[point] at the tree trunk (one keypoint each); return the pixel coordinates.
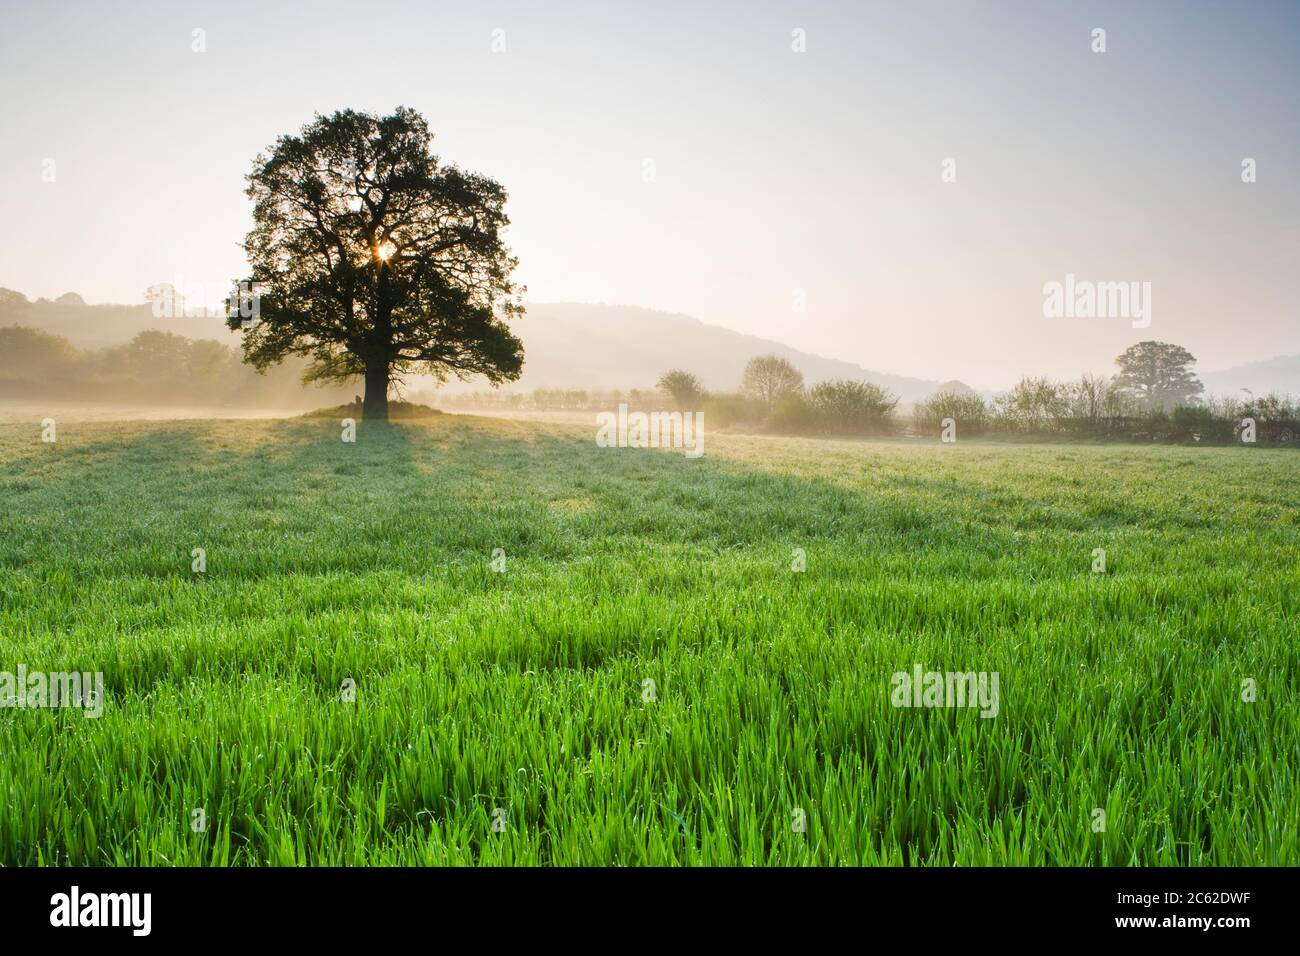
(374, 406)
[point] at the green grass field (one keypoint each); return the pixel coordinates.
(523, 691)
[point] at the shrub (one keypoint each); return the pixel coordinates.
(1188, 415)
(846, 407)
(34, 355)
(1034, 404)
(726, 411)
(968, 410)
(770, 378)
(792, 415)
(685, 388)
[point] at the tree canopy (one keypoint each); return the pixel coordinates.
(769, 378)
(683, 386)
(373, 258)
(1158, 375)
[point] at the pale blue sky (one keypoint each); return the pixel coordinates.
(776, 171)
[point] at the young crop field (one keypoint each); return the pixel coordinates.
(469, 640)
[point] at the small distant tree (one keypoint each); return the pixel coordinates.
(769, 378)
(153, 354)
(954, 387)
(684, 387)
(207, 362)
(967, 409)
(11, 301)
(1033, 404)
(847, 407)
(34, 355)
(1158, 376)
(1087, 398)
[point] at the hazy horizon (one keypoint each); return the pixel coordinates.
(648, 369)
(777, 173)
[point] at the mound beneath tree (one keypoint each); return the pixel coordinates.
(397, 411)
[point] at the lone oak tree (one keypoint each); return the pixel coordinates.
(373, 259)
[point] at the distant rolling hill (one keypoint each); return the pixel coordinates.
(577, 345)
(1280, 374)
(566, 345)
(95, 326)
(618, 346)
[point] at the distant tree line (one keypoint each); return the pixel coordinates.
(1094, 407)
(1154, 396)
(153, 366)
(772, 397)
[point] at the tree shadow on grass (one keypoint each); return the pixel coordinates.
(291, 496)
